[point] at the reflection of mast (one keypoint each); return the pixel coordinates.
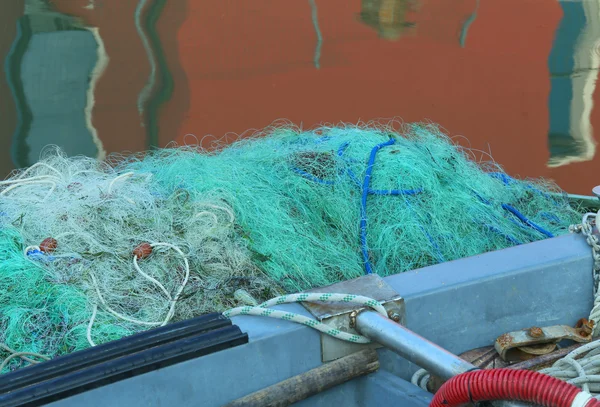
(573, 64)
(388, 17)
(465, 28)
(315, 20)
(159, 85)
(53, 67)
(145, 93)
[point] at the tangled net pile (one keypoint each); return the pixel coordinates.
(280, 212)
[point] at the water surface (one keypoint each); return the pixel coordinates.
(514, 78)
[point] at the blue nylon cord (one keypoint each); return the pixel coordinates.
(482, 199)
(502, 177)
(366, 191)
(501, 233)
(39, 255)
(526, 221)
(342, 148)
(395, 191)
(551, 217)
(363, 204)
(312, 177)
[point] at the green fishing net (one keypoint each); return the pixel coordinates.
(283, 211)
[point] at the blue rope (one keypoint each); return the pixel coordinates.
(395, 191)
(482, 199)
(363, 204)
(506, 179)
(39, 255)
(526, 221)
(312, 177)
(342, 148)
(366, 191)
(501, 233)
(551, 217)
(502, 177)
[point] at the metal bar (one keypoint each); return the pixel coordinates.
(415, 348)
(410, 346)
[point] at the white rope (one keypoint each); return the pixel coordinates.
(21, 355)
(36, 179)
(46, 181)
(24, 357)
(263, 311)
(581, 367)
(173, 300)
(150, 278)
(420, 378)
(31, 249)
(183, 284)
(40, 164)
(31, 179)
(203, 213)
(587, 229)
(115, 313)
(224, 209)
(120, 177)
(89, 328)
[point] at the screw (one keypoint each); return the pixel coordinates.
(353, 315)
(585, 327)
(394, 316)
(535, 332)
(586, 330)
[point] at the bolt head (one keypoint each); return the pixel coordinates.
(394, 316)
(536, 332)
(353, 315)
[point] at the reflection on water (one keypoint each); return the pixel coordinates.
(52, 71)
(388, 17)
(103, 76)
(573, 65)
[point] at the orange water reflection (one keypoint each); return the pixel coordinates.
(503, 74)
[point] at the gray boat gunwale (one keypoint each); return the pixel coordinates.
(460, 305)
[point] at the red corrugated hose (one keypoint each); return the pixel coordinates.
(511, 385)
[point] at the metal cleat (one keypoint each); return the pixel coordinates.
(535, 341)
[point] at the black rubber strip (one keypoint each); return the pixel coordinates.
(102, 353)
(124, 367)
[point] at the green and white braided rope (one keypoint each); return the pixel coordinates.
(263, 311)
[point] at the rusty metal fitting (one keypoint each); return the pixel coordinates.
(353, 315)
(394, 316)
(535, 332)
(585, 326)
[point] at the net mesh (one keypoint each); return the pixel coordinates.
(283, 211)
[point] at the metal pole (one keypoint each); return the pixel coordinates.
(415, 348)
(410, 346)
